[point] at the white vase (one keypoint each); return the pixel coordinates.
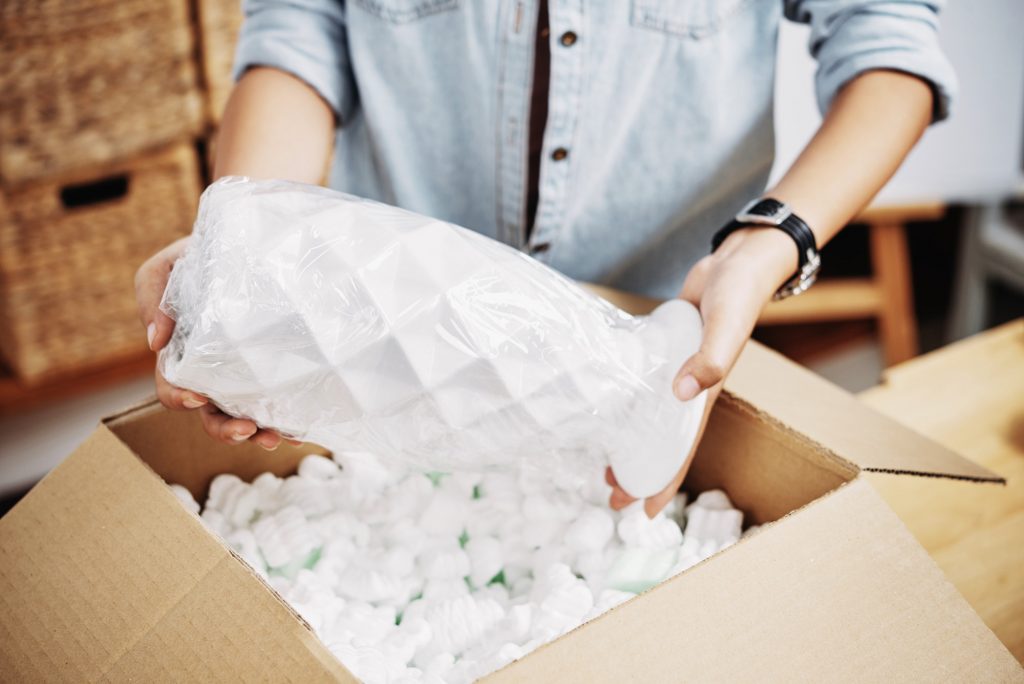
(361, 326)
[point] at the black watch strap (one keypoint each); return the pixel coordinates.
(793, 226)
(771, 213)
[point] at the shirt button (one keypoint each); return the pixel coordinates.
(560, 154)
(568, 39)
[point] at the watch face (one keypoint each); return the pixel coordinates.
(767, 212)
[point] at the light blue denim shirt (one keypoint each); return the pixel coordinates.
(664, 107)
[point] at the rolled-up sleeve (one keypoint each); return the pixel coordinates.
(849, 37)
(306, 38)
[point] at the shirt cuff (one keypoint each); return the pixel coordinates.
(866, 42)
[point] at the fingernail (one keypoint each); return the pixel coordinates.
(192, 402)
(241, 436)
(150, 334)
(268, 448)
(687, 388)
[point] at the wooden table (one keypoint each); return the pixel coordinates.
(970, 397)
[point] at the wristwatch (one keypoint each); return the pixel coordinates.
(773, 213)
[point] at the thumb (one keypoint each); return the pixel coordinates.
(703, 370)
(726, 330)
(159, 330)
(150, 282)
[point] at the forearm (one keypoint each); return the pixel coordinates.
(872, 124)
(275, 126)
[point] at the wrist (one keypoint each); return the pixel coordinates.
(769, 254)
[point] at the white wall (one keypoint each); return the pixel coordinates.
(974, 156)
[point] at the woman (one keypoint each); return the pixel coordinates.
(610, 140)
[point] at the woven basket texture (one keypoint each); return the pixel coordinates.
(68, 256)
(88, 82)
(219, 23)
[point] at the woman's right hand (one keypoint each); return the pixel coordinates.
(150, 282)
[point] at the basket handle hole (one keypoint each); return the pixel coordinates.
(96, 192)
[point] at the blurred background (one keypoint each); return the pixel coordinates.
(109, 112)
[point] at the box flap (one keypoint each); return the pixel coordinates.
(837, 591)
(838, 421)
(159, 437)
(104, 575)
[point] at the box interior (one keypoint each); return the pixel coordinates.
(767, 469)
(154, 595)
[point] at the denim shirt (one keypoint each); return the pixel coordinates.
(659, 113)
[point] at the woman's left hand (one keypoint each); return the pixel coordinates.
(730, 288)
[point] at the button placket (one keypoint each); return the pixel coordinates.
(515, 67)
(563, 111)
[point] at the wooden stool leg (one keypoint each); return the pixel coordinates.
(890, 260)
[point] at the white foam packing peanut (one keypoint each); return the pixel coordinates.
(591, 530)
(410, 578)
(185, 497)
(285, 537)
(486, 559)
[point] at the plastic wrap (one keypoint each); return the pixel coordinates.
(361, 326)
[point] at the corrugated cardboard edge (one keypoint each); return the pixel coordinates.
(148, 404)
(838, 421)
(109, 528)
(843, 466)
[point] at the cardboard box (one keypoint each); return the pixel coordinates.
(104, 575)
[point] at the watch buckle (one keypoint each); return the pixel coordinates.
(781, 213)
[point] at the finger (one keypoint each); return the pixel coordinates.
(165, 392)
(618, 499)
(159, 330)
(212, 421)
(176, 398)
(654, 504)
(150, 283)
(268, 439)
(727, 327)
(224, 428)
(238, 430)
(704, 369)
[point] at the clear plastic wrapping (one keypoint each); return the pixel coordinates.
(361, 326)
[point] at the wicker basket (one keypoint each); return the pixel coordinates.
(219, 23)
(68, 256)
(88, 82)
